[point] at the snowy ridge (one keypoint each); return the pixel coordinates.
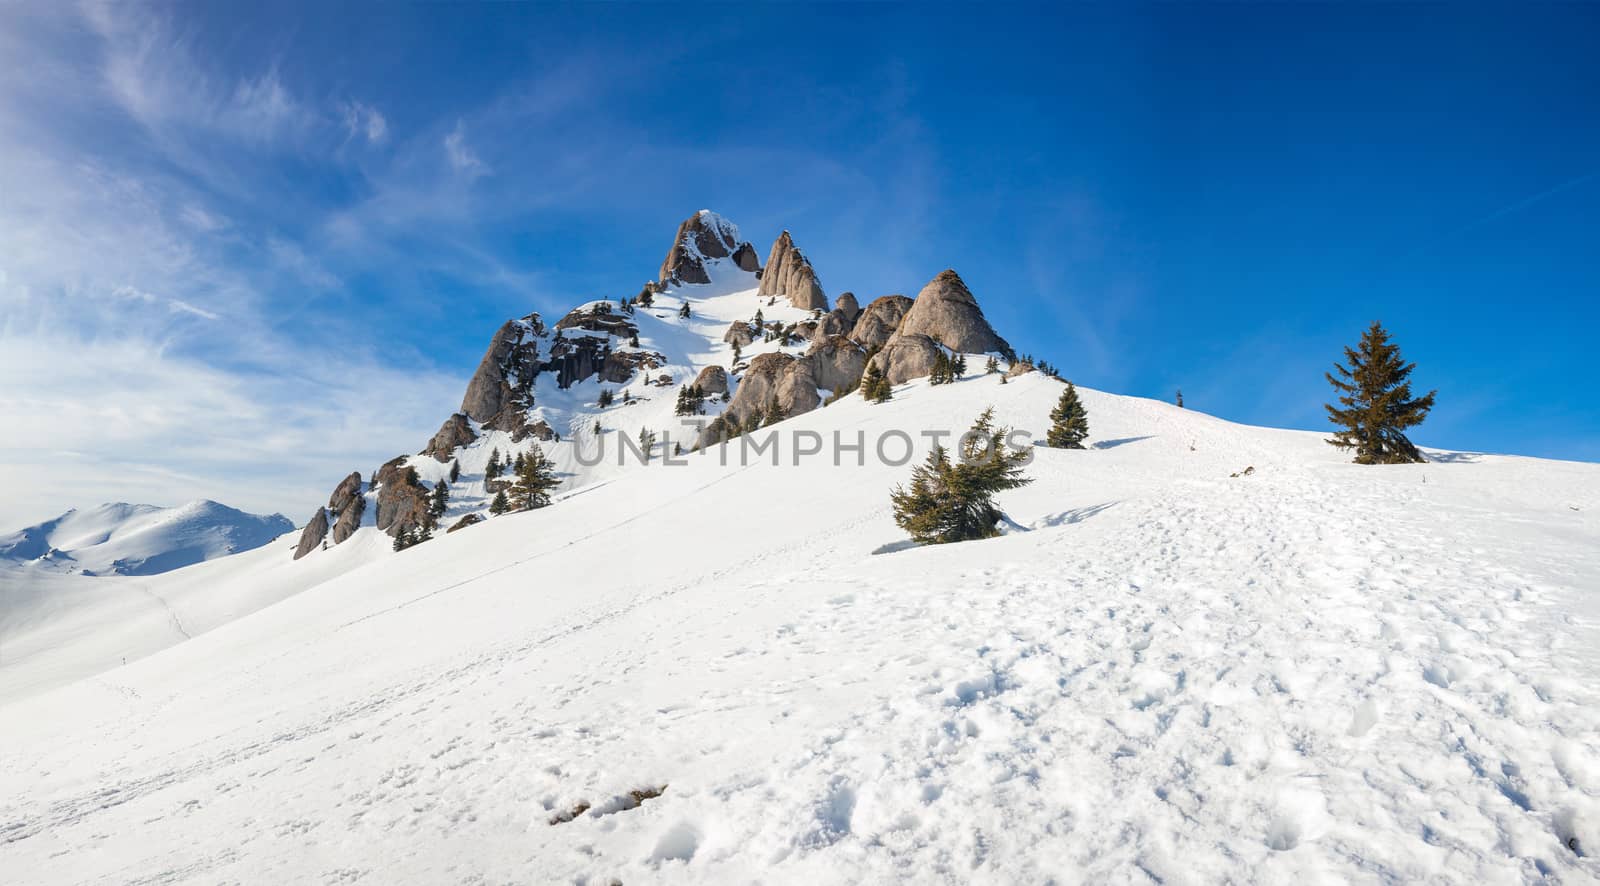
(131, 539)
(1314, 671)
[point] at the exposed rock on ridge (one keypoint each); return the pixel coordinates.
(788, 273)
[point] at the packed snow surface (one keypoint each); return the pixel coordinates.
(1313, 672)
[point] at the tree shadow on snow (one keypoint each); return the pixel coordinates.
(1452, 458)
(1113, 444)
(1067, 518)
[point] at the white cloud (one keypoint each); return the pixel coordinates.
(176, 305)
(462, 158)
(364, 121)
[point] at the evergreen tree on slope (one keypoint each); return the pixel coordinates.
(1375, 402)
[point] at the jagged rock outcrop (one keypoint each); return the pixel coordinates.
(402, 499)
(456, 431)
(836, 363)
(598, 317)
(758, 383)
(701, 238)
(946, 312)
(788, 273)
(833, 323)
(501, 390)
(349, 519)
(712, 380)
(906, 357)
(747, 260)
(878, 321)
(739, 334)
(311, 537)
(1020, 367)
(463, 523)
(348, 490)
(797, 388)
(621, 366)
(846, 303)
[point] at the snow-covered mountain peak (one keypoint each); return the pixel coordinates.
(120, 538)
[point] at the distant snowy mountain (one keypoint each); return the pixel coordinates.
(132, 539)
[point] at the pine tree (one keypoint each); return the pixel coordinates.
(958, 367)
(646, 296)
(647, 442)
(494, 468)
(950, 502)
(775, 412)
(455, 470)
(441, 499)
(597, 428)
(1180, 398)
(606, 398)
(1375, 394)
(516, 466)
(535, 478)
(940, 374)
(735, 361)
(874, 387)
(1069, 421)
(402, 538)
(684, 311)
(991, 367)
(500, 504)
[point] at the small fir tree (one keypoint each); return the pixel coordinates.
(958, 367)
(991, 367)
(775, 412)
(500, 505)
(647, 442)
(441, 499)
(1069, 421)
(494, 468)
(1179, 399)
(536, 477)
(1375, 402)
(684, 311)
(950, 502)
(875, 387)
(606, 398)
(455, 470)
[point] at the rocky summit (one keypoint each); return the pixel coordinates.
(713, 346)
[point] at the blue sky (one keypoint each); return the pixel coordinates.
(243, 251)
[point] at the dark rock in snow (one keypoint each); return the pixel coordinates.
(739, 334)
(906, 357)
(311, 537)
(349, 519)
(456, 432)
(349, 488)
(463, 523)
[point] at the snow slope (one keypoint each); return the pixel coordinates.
(1315, 672)
(128, 539)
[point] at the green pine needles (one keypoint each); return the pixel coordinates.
(954, 501)
(1375, 402)
(1069, 421)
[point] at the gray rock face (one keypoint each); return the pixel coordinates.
(846, 303)
(739, 333)
(946, 312)
(745, 257)
(311, 537)
(906, 357)
(455, 432)
(758, 384)
(836, 363)
(703, 237)
(879, 320)
(621, 366)
(348, 489)
(712, 380)
(788, 273)
(832, 323)
(402, 501)
(504, 380)
(349, 519)
(797, 389)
